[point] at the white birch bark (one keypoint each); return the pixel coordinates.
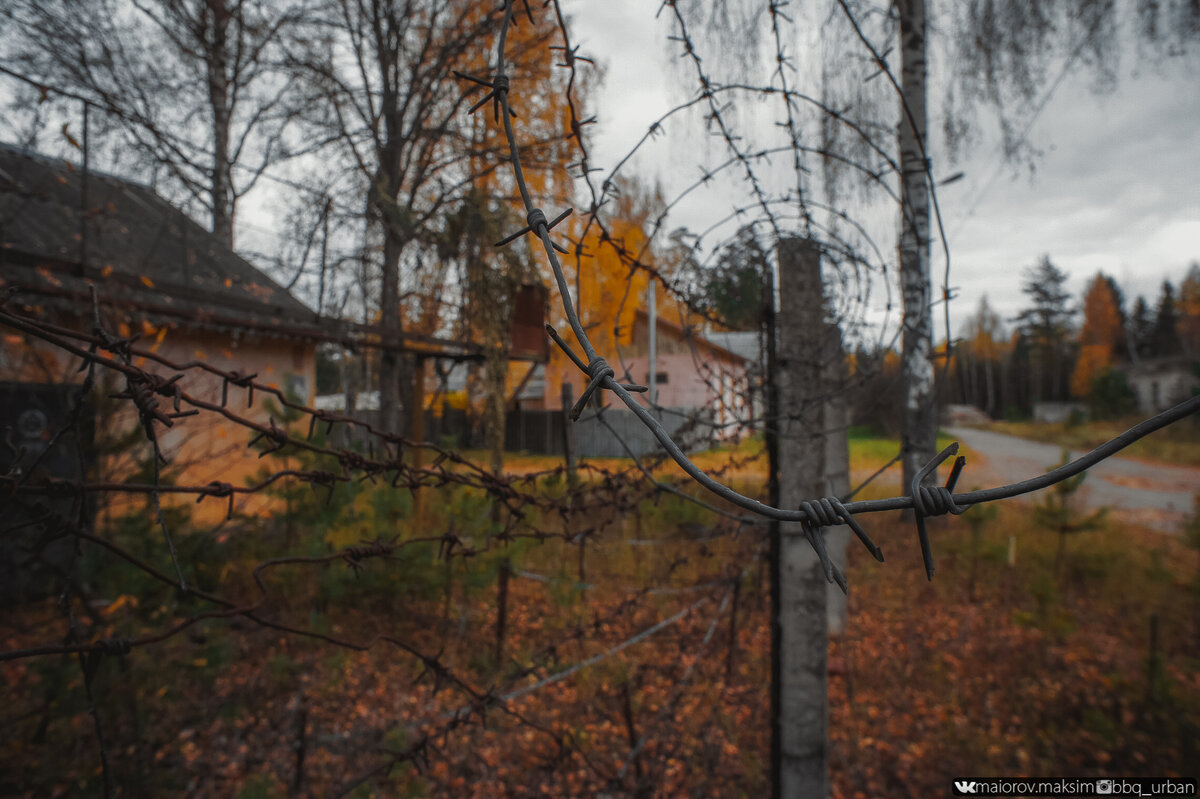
(918, 437)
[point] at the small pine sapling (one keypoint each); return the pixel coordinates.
(1057, 512)
(978, 517)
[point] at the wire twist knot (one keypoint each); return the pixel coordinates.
(370, 549)
(114, 646)
(141, 388)
(935, 500)
(822, 512)
(320, 415)
(327, 479)
(828, 512)
(240, 380)
(219, 489)
(535, 218)
(277, 439)
(597, 370)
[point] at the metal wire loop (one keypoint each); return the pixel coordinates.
(114, 646)
(829, 511)
(591, 369)
(597, 370)
(217, 489)
(821, 512)
(935, 500)
(534, 218)
(378, 548)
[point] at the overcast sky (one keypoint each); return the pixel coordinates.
(1117, 187)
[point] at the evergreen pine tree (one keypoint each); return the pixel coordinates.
(1141, 324)
(1046, 326)
(1164, 336)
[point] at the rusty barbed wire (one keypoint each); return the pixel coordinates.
(709, 89)
(739, 156)
(160, 402)
(149, 385)
(637, 261)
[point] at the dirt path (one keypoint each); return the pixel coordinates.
(1156, 495)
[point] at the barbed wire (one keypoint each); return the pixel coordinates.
(814, 515)
(160, 402)
(746, 157)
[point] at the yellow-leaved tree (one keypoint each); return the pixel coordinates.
(1189, 311)
(1101, 337)
(610, 282)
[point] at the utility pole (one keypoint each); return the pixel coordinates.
(807, 442)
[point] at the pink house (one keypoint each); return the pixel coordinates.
(692, 372)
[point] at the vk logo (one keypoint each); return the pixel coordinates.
(962, 786)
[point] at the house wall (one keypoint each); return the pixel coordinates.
(1158, 390)
(715, 384)
(698, 375)
(209, 447)
(671, 338)
(199, 449)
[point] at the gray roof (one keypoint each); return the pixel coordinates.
(744, 343)
(1172, 364)
(61, 230)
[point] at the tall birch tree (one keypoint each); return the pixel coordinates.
(918, 438)
(1004, 53)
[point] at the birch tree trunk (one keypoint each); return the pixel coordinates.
(918, 437)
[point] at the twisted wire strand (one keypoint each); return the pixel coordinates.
(925, 504)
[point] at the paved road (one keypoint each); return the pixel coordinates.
(1156, 495)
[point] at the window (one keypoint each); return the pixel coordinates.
(297, 387)
(659, 377)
